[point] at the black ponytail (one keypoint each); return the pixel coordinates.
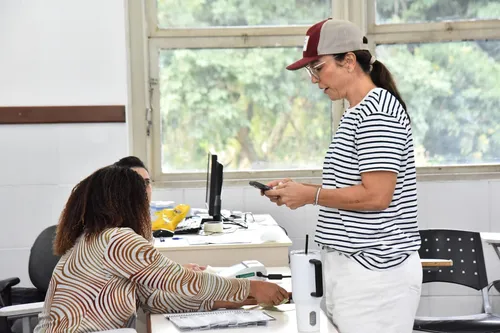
(379, 74)
(383, 78)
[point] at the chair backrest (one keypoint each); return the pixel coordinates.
(466, 251)
(42, 259)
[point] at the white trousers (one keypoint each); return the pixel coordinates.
(359, 300)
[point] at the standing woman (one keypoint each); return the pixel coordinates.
(367, 223)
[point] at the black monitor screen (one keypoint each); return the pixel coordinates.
(214, 187)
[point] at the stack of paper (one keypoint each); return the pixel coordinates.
(222, 239)
(219, 319)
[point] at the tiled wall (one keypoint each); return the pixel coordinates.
(36, 181)
(68, 52)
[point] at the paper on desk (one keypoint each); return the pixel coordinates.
(219, 319)
(223, 239)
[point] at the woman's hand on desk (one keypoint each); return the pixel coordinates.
(249, 301)
(232, 305)
(267, 292)
(194, 267)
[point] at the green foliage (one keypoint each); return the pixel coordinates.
(244, 105)
(209, 13)
(399, 11)
(452, 89)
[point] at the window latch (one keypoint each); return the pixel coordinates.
(149, 120)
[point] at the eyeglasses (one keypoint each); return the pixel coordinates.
(314, 70)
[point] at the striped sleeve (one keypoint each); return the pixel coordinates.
(380, 143)
(131, 256)
(158, 301)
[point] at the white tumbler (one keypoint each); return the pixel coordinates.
(307, 288)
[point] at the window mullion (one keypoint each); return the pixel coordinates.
(228, 42)
(151, 16)
(434, 36)
(154, 93)
(371, 16)
(138, 76)
(445, 26)
(231, 31)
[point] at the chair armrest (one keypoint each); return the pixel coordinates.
(7, 283)
(25, 295)
(21, 310)
(496, 284)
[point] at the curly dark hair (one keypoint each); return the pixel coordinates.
(131, 162)
(111, 197)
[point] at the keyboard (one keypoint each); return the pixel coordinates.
(190, 225)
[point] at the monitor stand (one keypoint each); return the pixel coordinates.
(217, 215)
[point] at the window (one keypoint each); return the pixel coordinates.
(242, 104)
(413, 11)
(216, 81)
(219, 85)
(232, 13)
(452, 91)
(447, 71)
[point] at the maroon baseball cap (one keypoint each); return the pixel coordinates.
(329, 37)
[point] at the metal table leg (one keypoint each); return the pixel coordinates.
(26, 324)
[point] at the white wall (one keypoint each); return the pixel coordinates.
(73, 52)
(56, 52)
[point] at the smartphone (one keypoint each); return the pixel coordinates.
(260, 186)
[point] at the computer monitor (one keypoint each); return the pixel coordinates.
(215, 171)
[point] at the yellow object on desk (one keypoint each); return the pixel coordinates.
(170, 218)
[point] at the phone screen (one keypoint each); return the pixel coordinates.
(260, 186)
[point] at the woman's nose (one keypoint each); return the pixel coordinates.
(314, 80)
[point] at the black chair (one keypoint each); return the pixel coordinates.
(40, 266)
(469, 269)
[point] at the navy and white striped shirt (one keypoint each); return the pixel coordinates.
(374, 135)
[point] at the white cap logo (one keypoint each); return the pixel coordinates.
(305, 43)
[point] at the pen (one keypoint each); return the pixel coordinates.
(176, 238)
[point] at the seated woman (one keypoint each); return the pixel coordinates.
(108, 265)
(135, 163)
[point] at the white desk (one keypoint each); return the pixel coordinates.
(231, 247)
(492, 238)
(285, 321)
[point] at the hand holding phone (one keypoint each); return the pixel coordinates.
(260, 186)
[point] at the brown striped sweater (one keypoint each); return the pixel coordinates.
(98, 284)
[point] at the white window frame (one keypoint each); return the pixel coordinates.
(147, 146)
(446, 31)
(145, 41)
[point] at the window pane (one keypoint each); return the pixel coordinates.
(196, 13)
(452, 92)
(243, 105)
(412, 11)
